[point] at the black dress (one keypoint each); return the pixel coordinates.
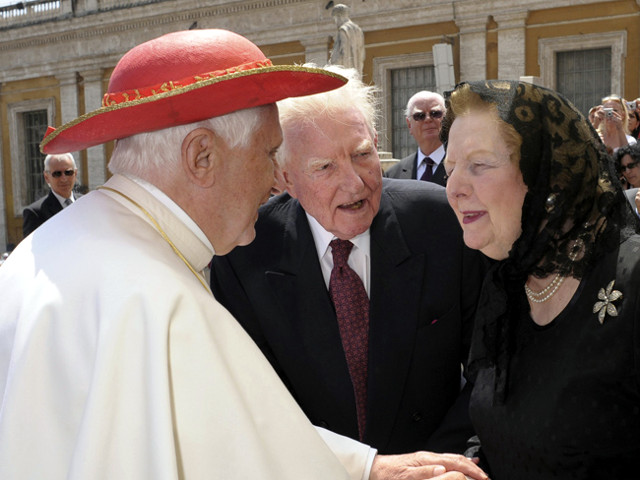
(572, 410)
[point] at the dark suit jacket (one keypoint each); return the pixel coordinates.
(423, 290)
(407, 168)
(38, 212)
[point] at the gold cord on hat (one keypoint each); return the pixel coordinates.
(115, 98)
(166, 238)
(133, 98)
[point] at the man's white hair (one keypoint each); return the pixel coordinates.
(48, 158)
(141, 154)
(301, 111)
(420, 95)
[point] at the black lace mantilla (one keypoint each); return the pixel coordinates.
(574, 211)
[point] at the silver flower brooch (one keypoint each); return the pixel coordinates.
(604, 305)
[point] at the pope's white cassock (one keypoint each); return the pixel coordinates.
(117, 363)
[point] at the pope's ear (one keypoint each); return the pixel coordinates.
(198, 153)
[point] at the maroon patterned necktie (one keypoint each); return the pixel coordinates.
(352, 309)
(428, 173)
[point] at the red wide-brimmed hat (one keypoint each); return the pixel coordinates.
(181, 78)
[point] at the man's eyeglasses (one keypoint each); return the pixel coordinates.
(433, 114)
(67, 173)
(628, 166)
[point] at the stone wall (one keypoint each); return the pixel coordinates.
(70, 47)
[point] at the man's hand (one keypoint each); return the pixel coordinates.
(637, 199)
(425, 465)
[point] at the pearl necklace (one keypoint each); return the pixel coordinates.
(550, 290)
(546, 293)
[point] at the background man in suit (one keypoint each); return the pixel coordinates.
(424, 114)
(395, 382)
(60, 173)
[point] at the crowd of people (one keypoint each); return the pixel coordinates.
(470, 314)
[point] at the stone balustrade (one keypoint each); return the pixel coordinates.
(35, 11)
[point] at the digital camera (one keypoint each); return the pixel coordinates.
(608, 112)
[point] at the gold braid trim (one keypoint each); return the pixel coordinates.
(162, 234)
(115, 98)
(178, 91)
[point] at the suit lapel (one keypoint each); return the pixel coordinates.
(413, 166)
(50, 206)
(298, 285)
(396, 282)
(439, 176)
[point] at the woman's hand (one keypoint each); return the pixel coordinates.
(611, 128)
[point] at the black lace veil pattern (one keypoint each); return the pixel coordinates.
(574, 210)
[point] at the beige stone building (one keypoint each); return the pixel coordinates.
(56, 57)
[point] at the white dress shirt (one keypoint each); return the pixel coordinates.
(359, 258)
(437, 156)
(61, 199)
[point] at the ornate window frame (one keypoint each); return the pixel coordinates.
(18, 166)
(382, 67)
(617, 41)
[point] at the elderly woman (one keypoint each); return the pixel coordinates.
(556, 351)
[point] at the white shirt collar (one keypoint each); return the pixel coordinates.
(174, 208)
(437, 155)
(62, 199)
(359, 258)
(322, 238)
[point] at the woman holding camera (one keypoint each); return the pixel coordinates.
(613, 126)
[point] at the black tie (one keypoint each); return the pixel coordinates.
(426, 176)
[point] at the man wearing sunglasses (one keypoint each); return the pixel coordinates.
(424, 114)
(60, 173)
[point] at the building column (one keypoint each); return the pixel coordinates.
(69, 104)
(96, 161)
(3, 209)
(473, 48)
(443, 66)
(316, 49)
(511, 44)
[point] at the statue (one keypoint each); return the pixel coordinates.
(348, 48)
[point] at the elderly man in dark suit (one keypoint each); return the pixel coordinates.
(60, 173)
(370, 342)
(424, 113)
